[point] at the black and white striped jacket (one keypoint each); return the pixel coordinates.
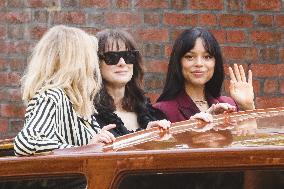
(52, 123)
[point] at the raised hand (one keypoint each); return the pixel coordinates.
(241, 89)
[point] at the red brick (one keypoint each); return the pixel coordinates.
(37, 32)
(15, 31)
(160, 66)
(95, 3)
(91, 30)
(152, 4)
(151, 50)
(239, 53)
(153, 97)
(95, 18)
(40, 16)
(282, 86)
(9, 79)
(233, 5)
(256, 87)
(261, 5)
(14, 47)
(17, 64)
(268, 70)
(151, 18)
(69, 18)
(15, 17)
(265, 20)
(220, 35)
(268, 54)
(123, 3)
(176, 19)
(2, 64)
(266, 37)
(168, 50)
(15, 3)
(178, 4)
(12, 110)
(279, 20)
(122, 19)
(207, 20)
(235, 36)
(229, 20)
(206, 4)
(16, 126)
(269, 102)
(2, 3)
(4, 123)
(175, 33)
(43, 3)
(2, 32)
(270, 86)
(156, 35)
(10, 95)
(70, 3)
(153, 83)
(281, 54)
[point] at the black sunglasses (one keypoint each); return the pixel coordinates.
(112, 57)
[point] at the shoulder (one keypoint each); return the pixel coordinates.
(50, 96)
(164, 105)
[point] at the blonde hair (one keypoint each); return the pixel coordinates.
(65, 57)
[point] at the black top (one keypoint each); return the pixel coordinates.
(143, 118)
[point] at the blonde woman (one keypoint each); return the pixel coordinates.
(59, 85)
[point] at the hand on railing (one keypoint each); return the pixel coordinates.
(104, 136)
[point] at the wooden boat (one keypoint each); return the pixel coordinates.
(246, 144)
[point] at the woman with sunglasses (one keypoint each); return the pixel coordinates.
(121, 100)
(195, 77)
(59, 86)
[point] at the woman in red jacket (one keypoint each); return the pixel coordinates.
(195, 77)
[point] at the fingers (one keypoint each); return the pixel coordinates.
(250, 77)
(164, 124)
(242, 73)
(203, 116)
(237, 72)
(108, 127)
(232, 75)
(104, 135)
(220, 108)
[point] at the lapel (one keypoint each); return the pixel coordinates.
(186, 106)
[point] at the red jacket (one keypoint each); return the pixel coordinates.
(182, 107)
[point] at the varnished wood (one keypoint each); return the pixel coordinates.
(105, 165)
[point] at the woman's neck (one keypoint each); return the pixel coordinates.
(117, 93)
(196, 93)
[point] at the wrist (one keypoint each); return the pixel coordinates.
(248, 106)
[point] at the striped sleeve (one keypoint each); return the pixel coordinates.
(38, 134)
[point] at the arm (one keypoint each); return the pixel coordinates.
(38, 134)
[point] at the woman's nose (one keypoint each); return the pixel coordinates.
(199, 61)
(121, 61)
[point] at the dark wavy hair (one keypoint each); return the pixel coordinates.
(134, 98)
(183, 44)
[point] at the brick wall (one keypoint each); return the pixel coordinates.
(249, 31)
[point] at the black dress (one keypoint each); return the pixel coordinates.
(105, 117)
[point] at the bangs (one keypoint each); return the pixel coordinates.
(115, 45)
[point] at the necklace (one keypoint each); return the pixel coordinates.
(200, 102)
